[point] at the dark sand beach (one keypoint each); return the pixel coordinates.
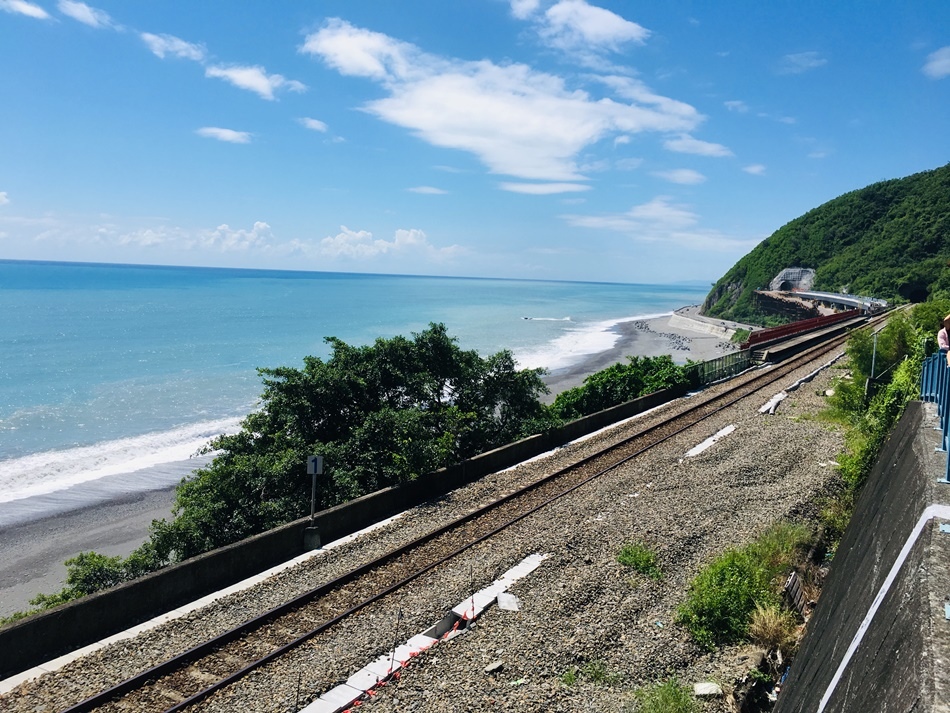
(32, 554)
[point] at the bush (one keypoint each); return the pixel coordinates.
(773, 628)
(618, 384)
(641, 559)
(723, 596)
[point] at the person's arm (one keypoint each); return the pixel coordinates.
(943, 341)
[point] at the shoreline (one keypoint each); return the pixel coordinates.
(32, 553)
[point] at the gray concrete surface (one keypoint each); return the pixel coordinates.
(879, 639)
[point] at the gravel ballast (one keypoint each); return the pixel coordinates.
(580, 610)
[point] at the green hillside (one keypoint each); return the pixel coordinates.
(890, 240)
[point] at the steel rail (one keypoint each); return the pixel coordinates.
(179, 661)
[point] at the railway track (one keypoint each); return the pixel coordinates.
(192, 676)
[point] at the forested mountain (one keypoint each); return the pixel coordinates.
(890, 240)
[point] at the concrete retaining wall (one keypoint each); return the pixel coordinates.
(41, 637)
(894, 652)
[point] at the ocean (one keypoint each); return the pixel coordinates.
(112, 377)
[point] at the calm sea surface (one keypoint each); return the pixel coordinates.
(112, 376)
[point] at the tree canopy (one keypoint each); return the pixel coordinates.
(888, 240)
(380, 414)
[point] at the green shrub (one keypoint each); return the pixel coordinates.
(640, 558)
(667, 697)
(724, 595)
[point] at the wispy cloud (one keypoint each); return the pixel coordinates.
(685, 176)
(81, 12)
(22, 7)
(544, 189)
(228, 135)
(4, 199)
(162, 45)
(255, 79)
(517, 121)
(687, 144)
(737, 106)
(313, 124)
(938, 64)
(661, 220)
(574, 24)
(801, 62)
(756, 169)
(427, 190)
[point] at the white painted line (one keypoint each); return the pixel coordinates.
(931, 512)
(8, 684)
(709, 442)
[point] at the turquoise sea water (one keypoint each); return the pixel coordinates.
(111, 376)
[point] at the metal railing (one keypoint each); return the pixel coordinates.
(706, 372)
(935, 388)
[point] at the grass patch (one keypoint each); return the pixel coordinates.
(667, 697)
(593, 671)
(773, 629)
(640, 558)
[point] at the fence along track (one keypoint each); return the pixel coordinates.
(184, 679)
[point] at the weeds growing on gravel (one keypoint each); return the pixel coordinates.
(722, 597)
(593, 671)
(773, 628)
(667, 697)
(640, 558)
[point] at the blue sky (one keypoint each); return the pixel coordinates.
(546, 139)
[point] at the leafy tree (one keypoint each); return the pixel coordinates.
(380, 414)
(617, 384)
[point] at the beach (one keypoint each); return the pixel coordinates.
(32, 554)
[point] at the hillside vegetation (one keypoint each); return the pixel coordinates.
(890, 240)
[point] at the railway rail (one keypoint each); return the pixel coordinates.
(192, 676)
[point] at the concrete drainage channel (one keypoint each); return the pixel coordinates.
(376, 673)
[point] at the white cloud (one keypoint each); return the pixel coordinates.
(573, 24)
(162, 45)
(226, 239)
(523, 9)
(687, 144)
(544, 189)
(255, 79)
(628, 164)
(229, 135)
(660, 221)
(938, 64)
(738, 106)
(685, 176)
(756, 169)
(313, 124)
(801, 62)
(81, 12)
(361, 245)
(517, 121)
(3, 198)
(22, 7)
(621, 140)
(427, 190)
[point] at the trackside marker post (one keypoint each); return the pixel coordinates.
(311, 535)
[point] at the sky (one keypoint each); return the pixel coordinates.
(542, 139)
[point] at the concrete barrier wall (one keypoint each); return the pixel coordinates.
(43, 636)
(888, 668)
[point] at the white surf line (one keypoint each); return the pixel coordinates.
(380, 669)
(929, 513)
(709, 442)
(773, 403)
(8, 684)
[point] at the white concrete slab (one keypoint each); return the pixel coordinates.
(336, 699)
(710, 442)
